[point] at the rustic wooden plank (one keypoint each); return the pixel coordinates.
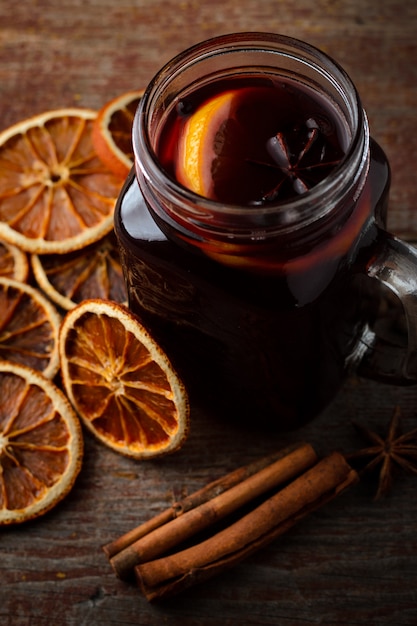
(350, 563)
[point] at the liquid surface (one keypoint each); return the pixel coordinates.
(266, 142)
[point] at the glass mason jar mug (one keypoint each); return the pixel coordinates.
(252, 230)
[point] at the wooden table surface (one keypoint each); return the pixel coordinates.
(353, 561)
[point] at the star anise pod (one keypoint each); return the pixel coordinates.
(389, 454)
(303, 156)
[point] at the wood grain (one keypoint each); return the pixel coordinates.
(352, 562)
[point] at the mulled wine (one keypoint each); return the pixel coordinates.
(274, 139)
(247, 225)
(269, 346)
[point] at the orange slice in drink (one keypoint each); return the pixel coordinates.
(56, 195)
(112, 133)
(94, 272)
(41, 444)
(13, 262)
(196, 148)
(29, 327)
(120, 382)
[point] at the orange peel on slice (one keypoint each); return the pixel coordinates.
(112, 132)
(29, 327)
(120, 382)
(41, 444)
(56, 195)
(196, 144)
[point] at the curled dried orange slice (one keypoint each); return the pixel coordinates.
(56, 195)
(29, 327)
(113, 131)
(94, 272)
(41, 444)
(13, 262)
(120, 382)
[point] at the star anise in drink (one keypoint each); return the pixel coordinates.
(303, 155)
(396, 451)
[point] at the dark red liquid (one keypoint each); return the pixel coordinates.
(278, 140)
(269, 334)
(262, 348)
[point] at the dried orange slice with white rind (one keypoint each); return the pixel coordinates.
(29, 327)
(56, 195)
(112, 132)
(13, 262)
(120, 382)
(41, 444)
(93, 272)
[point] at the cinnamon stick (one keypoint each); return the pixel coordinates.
(166, 576)
(193, 500)
(207, 506)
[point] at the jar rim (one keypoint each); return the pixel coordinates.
(302, 208)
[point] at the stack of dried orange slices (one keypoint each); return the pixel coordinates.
(69, 347)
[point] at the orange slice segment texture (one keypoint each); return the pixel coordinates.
(196, 149)
(41, 444)
(93, 272)
(56, 195)
(112, 132)
(13, 262)
(29, 327)
(120, 382)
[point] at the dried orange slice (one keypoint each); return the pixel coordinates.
(56, 195)
(13, 262)
(120, 382)
(41, 444)
(112, 132)
(29, 327)
(94, 272)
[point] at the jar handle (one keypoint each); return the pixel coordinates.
(394, 264)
